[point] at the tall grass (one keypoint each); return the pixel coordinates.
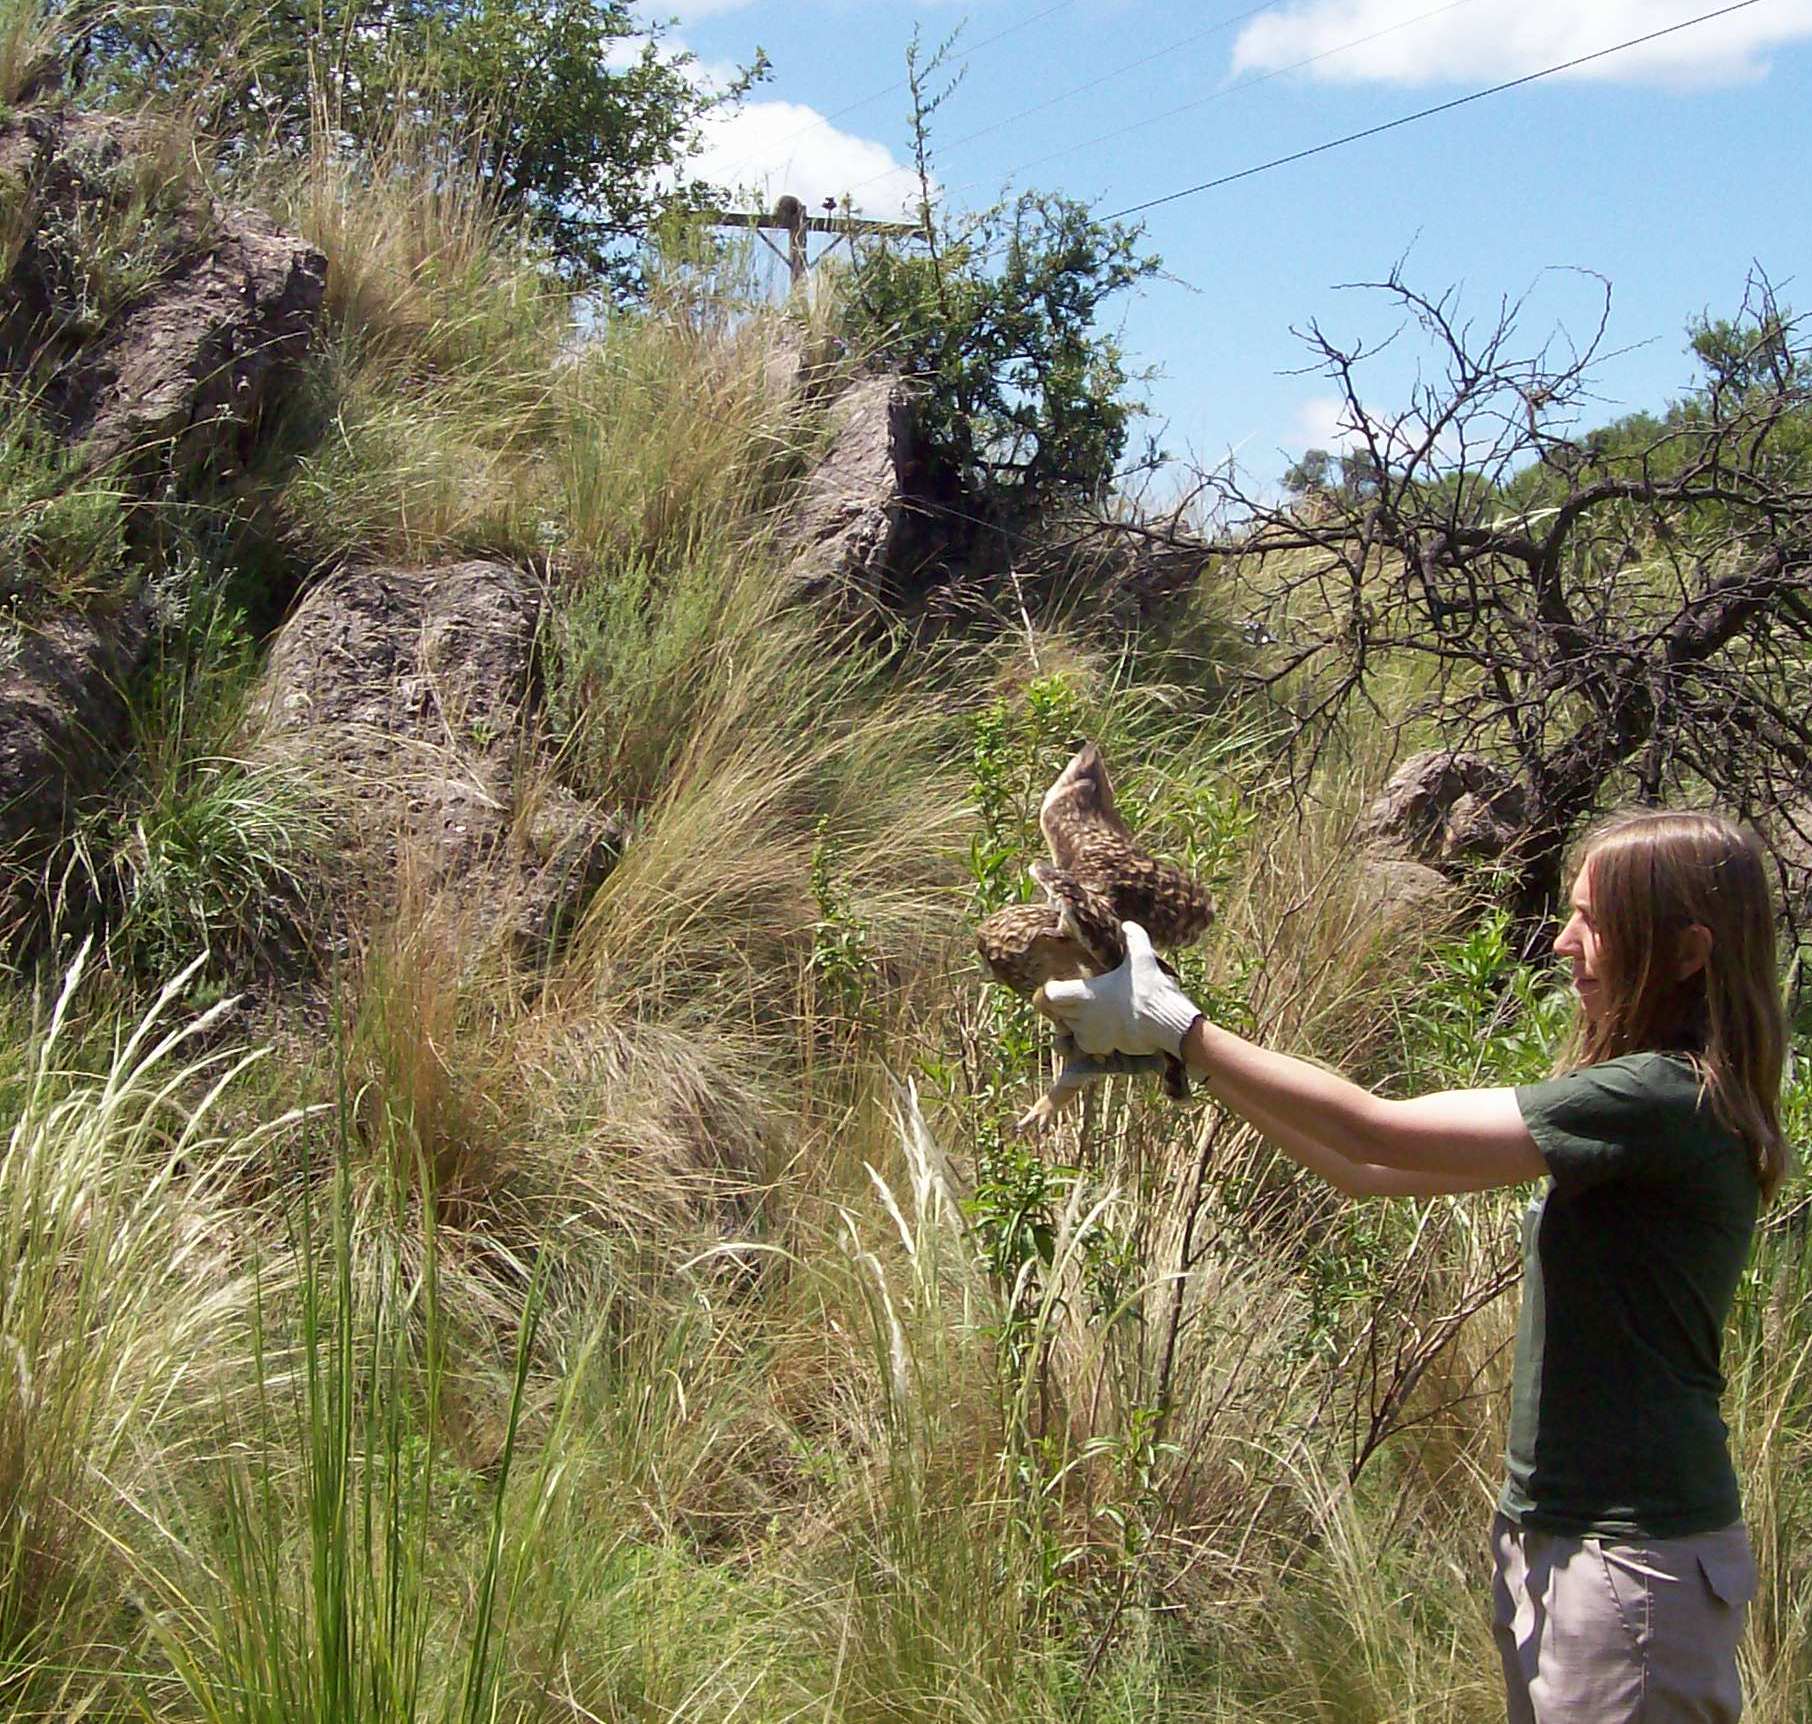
(197, 847)
(344, 1462)
(30, 40)
(668, 1326)
(430, 394)
(125, 1300)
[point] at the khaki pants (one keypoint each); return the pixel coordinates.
(1596, 1632)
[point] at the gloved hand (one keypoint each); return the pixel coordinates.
(1136, 1009)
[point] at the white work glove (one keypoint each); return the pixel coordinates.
(1136, 1009)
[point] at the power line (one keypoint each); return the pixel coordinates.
(901, 84)
(1117, 72)
(1203, 101)
(1428, 113)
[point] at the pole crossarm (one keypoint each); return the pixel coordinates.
(788, 217)
(840, 225)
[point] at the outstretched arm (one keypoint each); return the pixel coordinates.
(1457, 1140)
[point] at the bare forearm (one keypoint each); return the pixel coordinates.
(1317, 1105)
(1353, 1178)
(1457, 1140)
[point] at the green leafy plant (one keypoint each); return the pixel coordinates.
(843, 957)
(1024, 395)
(1483, 1017)
(1012, 747)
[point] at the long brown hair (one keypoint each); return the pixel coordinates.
(1653, 874)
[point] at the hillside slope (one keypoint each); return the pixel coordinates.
(508, 1207)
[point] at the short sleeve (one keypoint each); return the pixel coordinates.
(1600, 1123)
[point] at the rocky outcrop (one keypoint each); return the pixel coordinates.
(1445, 808)
(857, 528)
(61, 719)
(185, 378)
(159, 363)
(147, 329)
(410, 695)
(1409, 895)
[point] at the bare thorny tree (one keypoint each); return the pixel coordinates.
(1620, 616)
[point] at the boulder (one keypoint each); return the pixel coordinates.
(1446, 807)
(410, 695)
(166, 389)
(62, 718)
(173, 381)
(1407, 895)
(854, 528)
(182, 381)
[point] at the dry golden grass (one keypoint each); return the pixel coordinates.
(641, 1337)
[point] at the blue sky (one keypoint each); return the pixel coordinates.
(1669, 169)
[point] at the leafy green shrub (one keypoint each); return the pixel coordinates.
(571, 112)
(1024, 396)
(1482, 1017)
(843, 959)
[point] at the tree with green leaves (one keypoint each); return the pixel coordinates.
(1025, 397)
(1322, 473)
(576, 114)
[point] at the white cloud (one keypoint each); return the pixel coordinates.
(1488, 41)
(1322, 422)
(764, 149)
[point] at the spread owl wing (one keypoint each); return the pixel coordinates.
(1093, 849)
(1061, 839)
(1092, 845)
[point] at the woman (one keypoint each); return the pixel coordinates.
(1623, 1568)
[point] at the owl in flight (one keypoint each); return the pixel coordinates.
(1096, 879)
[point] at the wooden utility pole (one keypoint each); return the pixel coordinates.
(789, 217)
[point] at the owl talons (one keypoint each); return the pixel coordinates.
(1040, 1116)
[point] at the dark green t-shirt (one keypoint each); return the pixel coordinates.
(1631, 1258)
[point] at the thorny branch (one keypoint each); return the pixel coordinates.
(1623, 614)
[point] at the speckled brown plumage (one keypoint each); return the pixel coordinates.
(1089, 840)
(1097, 878)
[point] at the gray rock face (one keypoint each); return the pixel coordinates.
(1444, 807)
(853, 524)
(410, 695)
(166, 388)
(1406, 894)
(175, 379)
(187, 374)
(61, 719)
